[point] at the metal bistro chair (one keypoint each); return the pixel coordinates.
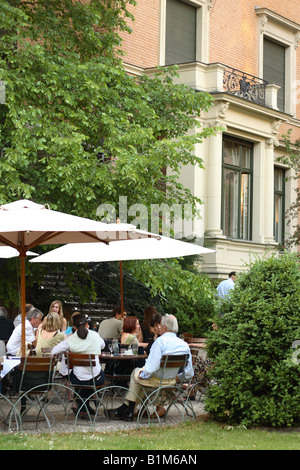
(34, 380)
(201, 365)
(175, 395)
(85, 360)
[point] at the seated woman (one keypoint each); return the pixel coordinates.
(84, 341)
(129, 336)
(147, 329)
(131, 328)
(49, 334)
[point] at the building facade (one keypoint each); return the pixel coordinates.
(247, 56)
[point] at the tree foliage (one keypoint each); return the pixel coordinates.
(256, 380)
(77, 131)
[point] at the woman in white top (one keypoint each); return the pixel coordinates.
(83, 341)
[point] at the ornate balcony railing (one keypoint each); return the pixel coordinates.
(244, 85)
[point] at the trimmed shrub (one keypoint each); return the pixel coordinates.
(256, 379)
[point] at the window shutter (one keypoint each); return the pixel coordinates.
(180, 32)
(274, 68)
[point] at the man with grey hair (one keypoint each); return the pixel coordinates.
(6, 325)
(33, 320)
(166, 344)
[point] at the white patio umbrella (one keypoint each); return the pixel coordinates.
(25, 224)
(9, 252)
(135, 249)
(146, 248)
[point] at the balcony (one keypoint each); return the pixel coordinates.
(244, 85)
(220, 78)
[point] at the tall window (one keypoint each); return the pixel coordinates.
(274, 68)
(237, 188)
(181, 19)
(279, 196)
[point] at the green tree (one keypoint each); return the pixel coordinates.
(256, 382)
(76, 130)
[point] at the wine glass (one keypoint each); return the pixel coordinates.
(111, 348)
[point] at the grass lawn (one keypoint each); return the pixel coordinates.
(196, 435)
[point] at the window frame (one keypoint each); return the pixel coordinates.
(281, 193)
(178, 10)
(285, 32)
(202, 29)
(285, 79)
(241, 170)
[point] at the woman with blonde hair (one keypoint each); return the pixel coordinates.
(49, 335)
(56, 307)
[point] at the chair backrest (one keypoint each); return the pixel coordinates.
(81, 360)
(198, 340)
(187, 337)
(35, 371)
(173, 361)
(46, 352)
(176, 362)
(36, 363)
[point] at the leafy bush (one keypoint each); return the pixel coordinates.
(255, 379)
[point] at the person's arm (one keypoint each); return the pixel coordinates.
(153, 361)
(61, 347)
(102, 344)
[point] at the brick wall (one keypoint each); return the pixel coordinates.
(233, 35)
(142, 45)
(234, 30)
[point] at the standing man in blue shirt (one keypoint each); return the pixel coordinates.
(166, 344)
(224, 287)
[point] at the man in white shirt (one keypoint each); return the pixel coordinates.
(166, 344)
(224, 287)
(33, 320)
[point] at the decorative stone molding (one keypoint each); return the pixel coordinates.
(221, 109)
(276, 126)
(271, 143)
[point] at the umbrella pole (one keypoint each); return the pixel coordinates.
(23, 337)
(121, 287)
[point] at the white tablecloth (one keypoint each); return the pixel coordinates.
(9, 364)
